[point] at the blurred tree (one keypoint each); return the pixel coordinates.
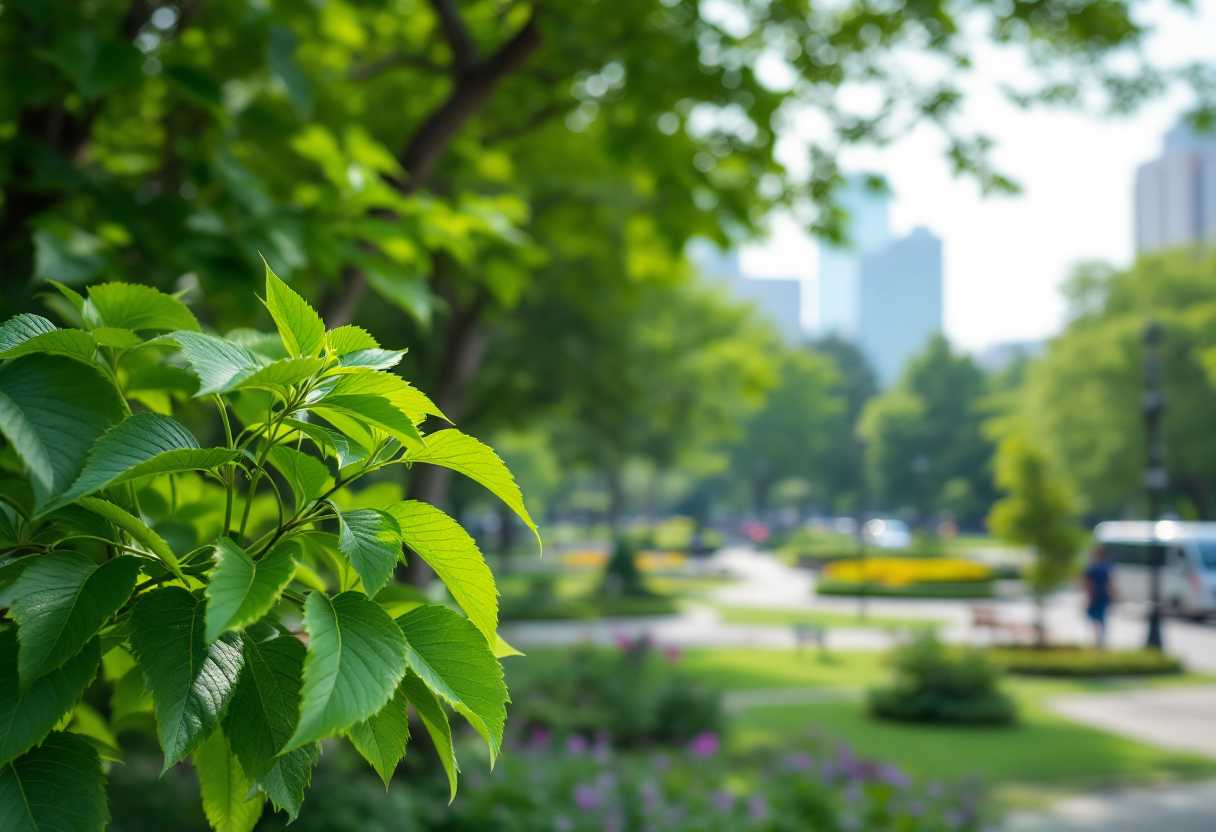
(793, 433)
(666, 374)
(925, 446)
(1081, 400)
(1037, 512)
(840, 467)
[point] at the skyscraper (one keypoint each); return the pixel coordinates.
(884, 295)
(839, 285)
(901, 302)
(1176, 193)
(777, 299)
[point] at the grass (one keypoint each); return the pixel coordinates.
(943, 589)
(1042, 753)
(790, 617)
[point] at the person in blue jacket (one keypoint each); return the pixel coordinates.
(1099, 593)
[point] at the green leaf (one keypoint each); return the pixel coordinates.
(52, 410)
(330, 442)
(57, 787)
(224, 787)
(281, 374)
(307, 476)
(191, 681)
(373, 359)
(453, 658)
(452, 553)
(21, 328)
(60, 602)
(382, 738)
(299, 325)
(376, 411)
(25, 718)
(113, 336)
(462, 453)
(371, 540)
(143, 445)
(72, 343)
(135, 307)
(347, 339)
(219, 364)
(73, 297)
(435, 720)
(242, 590)
(356, 658)
(263, 716)
(365, 382)
(138, 530)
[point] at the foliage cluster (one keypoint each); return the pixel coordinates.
(632, 695)
(1081, 400)
(936, 684)
(1085, 662)
(540, 600)
(238, 592)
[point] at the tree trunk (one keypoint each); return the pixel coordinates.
(616, 498)
(1040, 620)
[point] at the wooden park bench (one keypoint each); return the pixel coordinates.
(999, 630)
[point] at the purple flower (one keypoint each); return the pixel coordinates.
(561, 823)
(577, 744)
(661, 762)
(538, 738)
(892, 776)
(827, 772)
(603, 747)
(673, 654)
(916, 808)
(624, 642)
(649, 793)
(722, 800)
(613, 823)
(587, 798)
(852, 792)
(798, 762)
(704, 744)
(757, 807)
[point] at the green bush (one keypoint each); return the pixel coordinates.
(1082, 662)
(237, 588)
(936, 684)
(633, 694)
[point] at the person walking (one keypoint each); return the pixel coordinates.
(1099, 593)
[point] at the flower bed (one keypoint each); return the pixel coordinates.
(906, 577)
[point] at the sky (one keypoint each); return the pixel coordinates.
(1005, 257)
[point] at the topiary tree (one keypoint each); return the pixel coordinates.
(1037, 512)
(239, 593)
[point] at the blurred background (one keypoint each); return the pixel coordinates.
(857, 355)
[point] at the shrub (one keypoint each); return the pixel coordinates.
(935, 684)
(633, 694)
(201, 573)
(1085, 662)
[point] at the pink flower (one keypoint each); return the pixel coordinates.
(704, 744)
(577, 744)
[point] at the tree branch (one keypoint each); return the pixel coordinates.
(470, 93)
(464, 51)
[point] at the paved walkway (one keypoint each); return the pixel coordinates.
(1186, 807)
(1180, 719)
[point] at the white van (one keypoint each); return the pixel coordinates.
(1188, 571)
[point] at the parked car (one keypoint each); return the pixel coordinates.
(1187, 557)
(887, 534)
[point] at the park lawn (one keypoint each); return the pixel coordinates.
(1042, 752)
(789, 617)
(748, 669)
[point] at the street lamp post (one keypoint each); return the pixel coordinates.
(1155, 477)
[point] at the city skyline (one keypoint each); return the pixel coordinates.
(1007, 256)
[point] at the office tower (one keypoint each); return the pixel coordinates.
(777, 299)
(839, 284)
(1176, 193)
(901, 302)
